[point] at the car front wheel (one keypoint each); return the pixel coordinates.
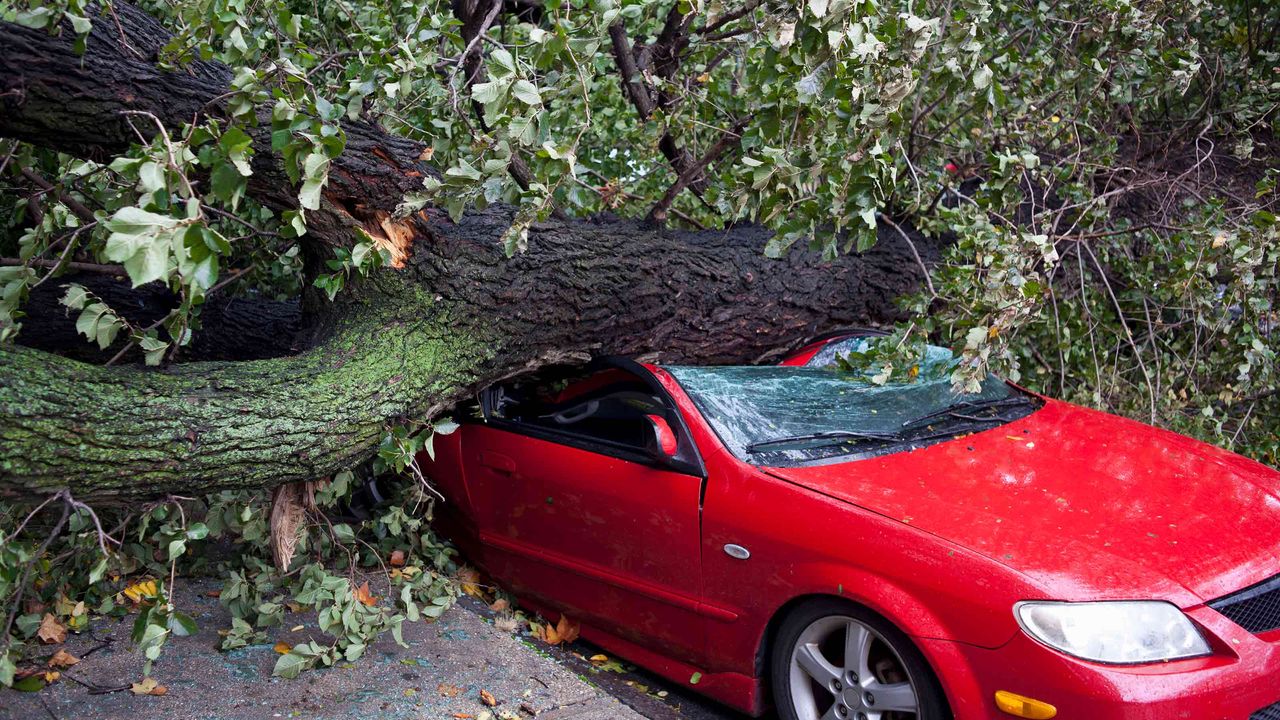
(833, 660)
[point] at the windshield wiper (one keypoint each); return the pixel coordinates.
(955, 409)
(828, 435)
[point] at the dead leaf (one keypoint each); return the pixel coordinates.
(463, 716)
(296, 628)
(140, 592)
(567, 629)
(599, 658)
(547, 634)
(487, 698)
(214, 594)
(63, 659)
(397, 558)
(447, 690)
(470, 579)
(282, 647)
(506, 624)
(148, 686)
(51, 676)
(499, 605)
(364, 596)
(51, 631)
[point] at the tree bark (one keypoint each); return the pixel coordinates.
(403, 344)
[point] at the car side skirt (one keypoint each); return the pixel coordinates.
(740, 692)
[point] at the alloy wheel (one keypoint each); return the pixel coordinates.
(842, 669)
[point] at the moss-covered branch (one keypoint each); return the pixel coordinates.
(408, 343)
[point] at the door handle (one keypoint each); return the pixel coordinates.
(498, 462)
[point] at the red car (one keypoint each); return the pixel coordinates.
(800, 537)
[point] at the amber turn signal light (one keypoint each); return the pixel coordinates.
(1024, 707)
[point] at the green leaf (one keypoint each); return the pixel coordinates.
(75, 297)
(488, 93)
(30, 683)
(982, 77)
(504, 61)
(228, 184)
(463, 169)
(526, 92)
(153, 637)
(81, 25)
(182, 625)
(100, 569)
(291, 664)
(7, 669)
(344, 533)
(132, 220)
(151, 263)
(154, 349)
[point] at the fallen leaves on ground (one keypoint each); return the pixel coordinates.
(470, 579)
(397, 558)
(282, 647)
(63, 659)
(404, 572)
(141, 592)
(506, 624)
(51, 631)
(447, 690)
(565, 631)
(500, 604)
(148, 686)
(487, 698)
(364, 596)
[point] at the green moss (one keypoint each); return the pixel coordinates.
(116, 433)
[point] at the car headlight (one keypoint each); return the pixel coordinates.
(1119, 632)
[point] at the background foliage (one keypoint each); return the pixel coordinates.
(1107, 170)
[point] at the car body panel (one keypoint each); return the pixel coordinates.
(618, 539)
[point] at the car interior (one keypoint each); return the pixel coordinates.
(609, 405)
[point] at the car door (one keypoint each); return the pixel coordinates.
(573, 511)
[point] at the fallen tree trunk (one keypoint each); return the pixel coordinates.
(402, 344)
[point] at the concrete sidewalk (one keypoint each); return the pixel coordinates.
(439, 676)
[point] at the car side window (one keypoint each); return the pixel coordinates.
(606, 406)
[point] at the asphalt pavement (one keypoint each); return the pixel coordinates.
(441, 675)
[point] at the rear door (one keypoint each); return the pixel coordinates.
(574, 511)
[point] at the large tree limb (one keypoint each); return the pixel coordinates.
(402, 344)
(411, 343)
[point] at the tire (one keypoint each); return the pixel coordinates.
(894, 682)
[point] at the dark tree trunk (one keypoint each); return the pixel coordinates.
(403, 344)
(234, 328)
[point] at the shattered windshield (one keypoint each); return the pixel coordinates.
(777, 415)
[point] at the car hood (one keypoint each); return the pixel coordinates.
(1087, 505)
